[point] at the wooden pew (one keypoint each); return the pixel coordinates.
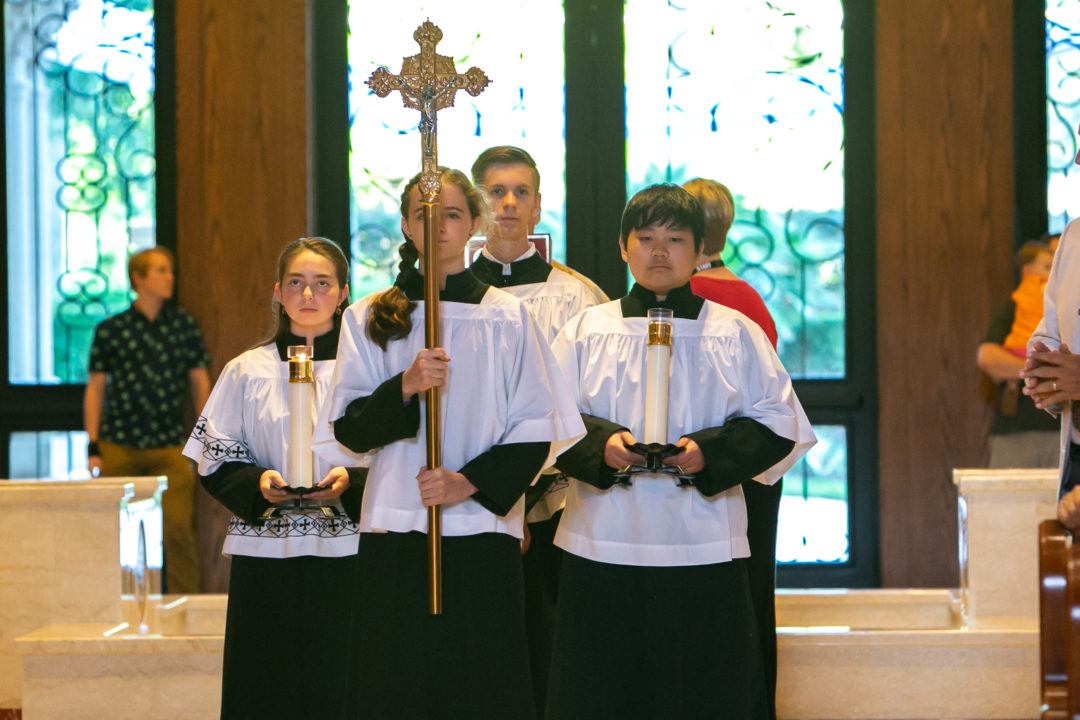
(1059, 622)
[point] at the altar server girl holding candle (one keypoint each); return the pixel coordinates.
(654, 616)
(506, 412)
(292, 572)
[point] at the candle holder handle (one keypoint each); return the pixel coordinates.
(298, 502)
(655, 453)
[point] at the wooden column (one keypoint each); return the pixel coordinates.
(241, 153)
(944, 261)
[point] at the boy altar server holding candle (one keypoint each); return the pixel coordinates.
(655, 617)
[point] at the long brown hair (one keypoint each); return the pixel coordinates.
(320, 246)
(390, 316)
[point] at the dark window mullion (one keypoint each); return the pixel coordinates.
(328, 139)
(36, 407)
(165, 123)
(5, 325)
(595, 141)
(1029, 119)
(860, 223)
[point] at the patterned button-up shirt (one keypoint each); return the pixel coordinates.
(147, 364)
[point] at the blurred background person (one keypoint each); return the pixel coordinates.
(1021, 435)
(142, 362)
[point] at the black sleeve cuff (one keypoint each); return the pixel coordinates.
(236, 486)
(378, 419)
(503, 473)
(352, 498)
(536, 491)
(585, 459)
(736, 452)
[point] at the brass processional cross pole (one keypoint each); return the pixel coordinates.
(427, 83)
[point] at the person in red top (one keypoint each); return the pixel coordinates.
(712, 280)
(715, 282)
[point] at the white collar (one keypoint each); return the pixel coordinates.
(506, 266)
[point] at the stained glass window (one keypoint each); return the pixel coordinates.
(79, 84)
(1062, 111)
(813, 525)
(523, 106)
(748, 93)
(751, 94)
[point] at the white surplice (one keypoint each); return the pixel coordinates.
(503, 387)
(246, 419)
(722, 367)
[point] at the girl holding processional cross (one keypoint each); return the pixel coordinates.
(506, 414)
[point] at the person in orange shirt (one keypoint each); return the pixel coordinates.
(1034, 260)
(1020, 435)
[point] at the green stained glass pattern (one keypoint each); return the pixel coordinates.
(522, 106)
(79, 123)
(751, 94)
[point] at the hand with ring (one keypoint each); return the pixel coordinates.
(1051, 377)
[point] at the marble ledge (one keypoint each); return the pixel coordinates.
(112, 639)
(187, 614)
(954, 638)
(879, 609)
(889, 597)
(16, 493)
(105, 489)
(985, 480)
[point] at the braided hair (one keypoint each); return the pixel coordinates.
(390, 316)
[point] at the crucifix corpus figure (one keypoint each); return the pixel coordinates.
(428, 82)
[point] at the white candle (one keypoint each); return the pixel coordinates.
(657, 375)
(300, 410)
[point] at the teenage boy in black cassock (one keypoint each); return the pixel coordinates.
(511, 181)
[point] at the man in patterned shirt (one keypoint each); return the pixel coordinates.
(141, 363)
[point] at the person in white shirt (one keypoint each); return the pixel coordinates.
(1052, 370)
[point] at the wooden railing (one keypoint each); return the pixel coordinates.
(1059, 622)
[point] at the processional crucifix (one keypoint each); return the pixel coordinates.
(427, 83)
